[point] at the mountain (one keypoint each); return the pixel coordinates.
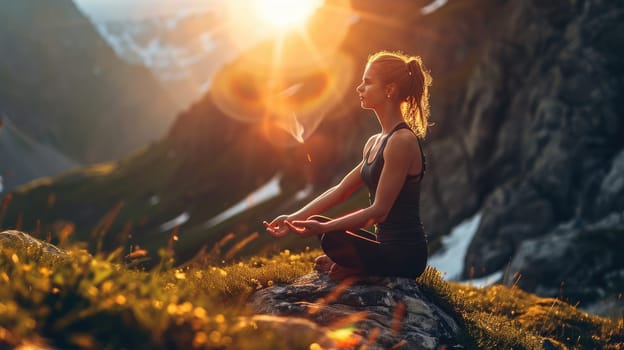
(26, 158)
(527, 107)
(183, 49)
(65, 87)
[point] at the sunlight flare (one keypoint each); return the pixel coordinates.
(285, 14)
(290, 81)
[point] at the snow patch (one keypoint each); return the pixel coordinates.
(177, 221)
(433, 7)
(262, 194)
(449, 260)
(153, 200)
(486, 280)
(304, 193)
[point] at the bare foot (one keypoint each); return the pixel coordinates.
(338, 273)
(323, 263)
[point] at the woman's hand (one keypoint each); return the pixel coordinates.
(306, 228)
(277, 228)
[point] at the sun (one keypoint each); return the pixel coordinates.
(285, 14)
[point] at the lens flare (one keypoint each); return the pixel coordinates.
(292, 100)
(290, 81)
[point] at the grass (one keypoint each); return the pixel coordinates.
(77, 300)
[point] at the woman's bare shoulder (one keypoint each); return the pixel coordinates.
(403, 141)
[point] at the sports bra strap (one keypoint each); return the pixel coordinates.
(402, 125)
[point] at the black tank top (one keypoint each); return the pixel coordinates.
(403, 221)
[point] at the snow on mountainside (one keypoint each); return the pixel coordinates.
(183, 49)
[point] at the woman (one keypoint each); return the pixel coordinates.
(396, 87)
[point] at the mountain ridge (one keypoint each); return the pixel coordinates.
(60, 69)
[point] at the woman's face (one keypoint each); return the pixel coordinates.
(372, 91)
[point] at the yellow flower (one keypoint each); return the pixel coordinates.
(200, 312)
(180, 275)
(120, 299)
(200, 339)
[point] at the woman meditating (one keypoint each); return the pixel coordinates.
(396, 87)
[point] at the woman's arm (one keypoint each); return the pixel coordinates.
(398, 157)
(333, 196)
(351, 182)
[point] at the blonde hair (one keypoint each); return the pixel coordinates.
(413, 82)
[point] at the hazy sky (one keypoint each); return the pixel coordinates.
(124, 9)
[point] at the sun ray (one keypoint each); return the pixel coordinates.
(322, 62)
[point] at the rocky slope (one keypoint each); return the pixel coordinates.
(64, 86)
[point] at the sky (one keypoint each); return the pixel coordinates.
(104, 10)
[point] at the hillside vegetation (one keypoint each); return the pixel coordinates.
(82, 301)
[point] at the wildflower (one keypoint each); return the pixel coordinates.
(200, 313)
(200, 339)
(107, 286)
(120, 299)
(215, 336)
(93, 291)
(185, 307)
(172, 308)
(180, 275)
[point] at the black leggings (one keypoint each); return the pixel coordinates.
(361, 250)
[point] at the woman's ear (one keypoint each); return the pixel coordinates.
(391, 89)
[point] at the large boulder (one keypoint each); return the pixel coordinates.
(574, 261)
(383, 312)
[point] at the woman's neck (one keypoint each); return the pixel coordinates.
(389, 117)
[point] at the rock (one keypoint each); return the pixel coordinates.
(278, 330)
(611, 192)
(20, 240)
(385, 312)
(574, 262)
(545, 149)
